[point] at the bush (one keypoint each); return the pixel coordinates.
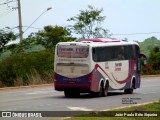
(149, 70)
(23, 68)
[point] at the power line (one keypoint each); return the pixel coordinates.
(32, 27)
(6, 13)
(8, 8)
(4, 9)
(5, 3)
(135, 33)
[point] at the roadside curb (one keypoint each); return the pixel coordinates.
(145, 76)
(30, 86)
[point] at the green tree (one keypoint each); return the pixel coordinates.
(50, 36)
(154, 58)
(30, 41)
(148, 44)
(27, 43)
(89, 23)
(6, 37)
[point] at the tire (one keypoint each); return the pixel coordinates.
(76, 94)
(100, 93)
(69, 93)
(130, 90)
(105, 90)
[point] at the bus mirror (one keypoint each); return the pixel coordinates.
(145, 61)
(144, 58)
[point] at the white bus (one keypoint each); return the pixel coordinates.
(96, 66)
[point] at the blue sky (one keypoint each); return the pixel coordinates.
(122, 16)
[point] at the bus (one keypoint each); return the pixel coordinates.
(96, 66)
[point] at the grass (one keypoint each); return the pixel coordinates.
(152, 107)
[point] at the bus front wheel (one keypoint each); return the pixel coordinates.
(130, 90)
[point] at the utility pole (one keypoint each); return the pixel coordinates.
(20, 22)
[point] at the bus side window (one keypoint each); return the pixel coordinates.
(94, 54)
(120, 52)
(131, 52)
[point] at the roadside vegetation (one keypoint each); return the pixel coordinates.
(151, 47)
(105, 115)
(32, 62)
(27, 69)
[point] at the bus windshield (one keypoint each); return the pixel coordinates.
(72, 51)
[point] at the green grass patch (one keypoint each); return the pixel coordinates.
(152, 107)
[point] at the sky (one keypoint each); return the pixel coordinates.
(131, 19)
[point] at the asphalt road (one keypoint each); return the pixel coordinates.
(45, 98)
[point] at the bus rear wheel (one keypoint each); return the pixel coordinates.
(100, 93)
(69, 93)
(105, 90)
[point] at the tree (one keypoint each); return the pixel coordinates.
(6, 37)
(154, 58)
(30, 41)
(50, 36)
(88, 23)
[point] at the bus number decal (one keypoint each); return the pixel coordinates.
(106, 66)
(118, 66)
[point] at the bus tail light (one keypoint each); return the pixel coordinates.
(89, 77)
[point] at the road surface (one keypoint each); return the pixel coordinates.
(45, 98)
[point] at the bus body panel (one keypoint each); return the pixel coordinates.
(118, 75)
(86, 74)
(80, 84)
(117, 79)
